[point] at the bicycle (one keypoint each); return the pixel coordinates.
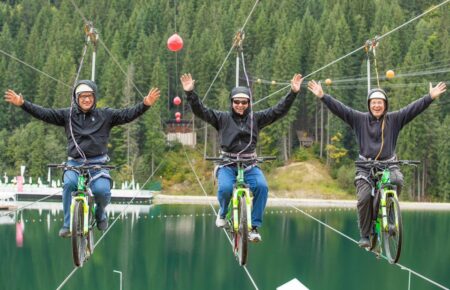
(239, 215)
(82, 212)
(387, 219)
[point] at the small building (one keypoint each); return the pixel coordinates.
(304, 139)
(181, 131)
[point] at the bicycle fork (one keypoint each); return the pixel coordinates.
(245, 192)
(84, 201)
(385, 222)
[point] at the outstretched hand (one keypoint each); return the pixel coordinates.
(296, 83)
(316, 88)
(187, 82)
(13, 98)
(438, 90)
(152, 97)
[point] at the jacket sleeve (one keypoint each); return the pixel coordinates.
(201, 111)
(123, 116)
(347, 114)
(274, 113)
(408, 113)
(52, 116)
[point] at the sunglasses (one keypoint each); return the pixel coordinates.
(237, 102)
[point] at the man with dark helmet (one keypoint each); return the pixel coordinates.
(238, 133)
(87, 129)
(376, 132)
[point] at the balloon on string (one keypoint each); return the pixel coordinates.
(390, 74)
(175, 43)
(177, 115)
(176, 101)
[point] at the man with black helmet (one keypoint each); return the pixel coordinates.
(238, 133)
(90, 127)
(376, 132)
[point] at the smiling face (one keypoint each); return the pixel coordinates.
(86, 101)
(240, 105)
(377, 107)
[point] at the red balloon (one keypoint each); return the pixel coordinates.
(177, 115)
(175, 43)
(177, 101)
(178, 119)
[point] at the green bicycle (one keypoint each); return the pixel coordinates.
(82, 212)
(239, 215)
(387, 219)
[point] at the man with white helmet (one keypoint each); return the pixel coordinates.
(376, 132)
(87, 129)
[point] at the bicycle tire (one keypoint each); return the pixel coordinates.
(242, 233)
(392, 238)
(78, 238)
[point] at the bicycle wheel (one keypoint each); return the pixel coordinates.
(392, 236)
(241, 236)
(78, 238)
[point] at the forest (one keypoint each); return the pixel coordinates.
(42, 42)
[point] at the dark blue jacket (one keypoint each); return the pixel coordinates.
(91, 130)
(235, 130)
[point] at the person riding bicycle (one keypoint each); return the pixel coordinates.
(238, 132)
(376, 131)
(91, 127)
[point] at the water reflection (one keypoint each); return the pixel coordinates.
(179, 247)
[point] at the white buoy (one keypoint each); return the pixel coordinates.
(294, 284)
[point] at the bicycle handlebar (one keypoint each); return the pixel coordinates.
(380, 162)
(238, 160)
(82, 167)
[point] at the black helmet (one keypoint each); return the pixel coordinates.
(377, 94)
(240, 92)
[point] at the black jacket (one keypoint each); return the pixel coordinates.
(368, 129)
(91, 130)
(235, 130)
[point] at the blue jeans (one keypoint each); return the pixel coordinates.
(258, 185)
(100, 186)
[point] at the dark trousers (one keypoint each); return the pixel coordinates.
(365, 199)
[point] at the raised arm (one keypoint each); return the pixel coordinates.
(272, 114)
(344, 112)
(206, 114)
(408, 113)
(52, 116)
(127, 115)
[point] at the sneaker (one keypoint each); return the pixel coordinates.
(102, 225)
(220, 222)
(364, 242)
(254, 236)
(64, 232)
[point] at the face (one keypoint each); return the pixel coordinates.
(240, 105)
(377, 107)
(86, 101)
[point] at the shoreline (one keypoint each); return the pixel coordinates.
(289, 202)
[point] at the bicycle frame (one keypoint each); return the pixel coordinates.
(81, 195)
(240, 190)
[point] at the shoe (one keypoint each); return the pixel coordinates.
(220, 222)
(254, 236)
(64, 232)
(364, 242)
(102, 225)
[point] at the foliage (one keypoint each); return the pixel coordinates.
(282, 38)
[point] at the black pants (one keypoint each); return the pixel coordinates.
(364, 193)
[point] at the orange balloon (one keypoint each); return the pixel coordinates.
(328, 82)
(390, 74)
